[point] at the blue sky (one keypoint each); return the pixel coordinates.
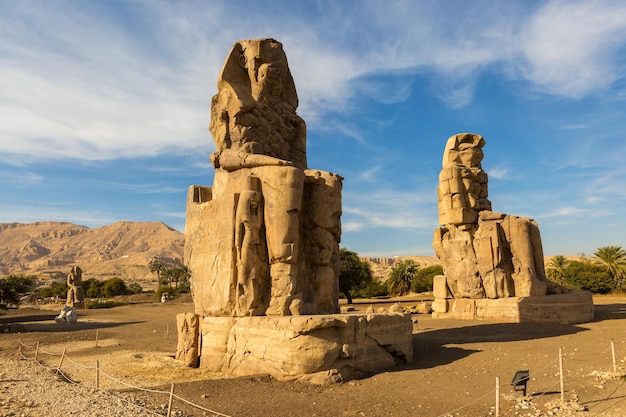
(104, 108)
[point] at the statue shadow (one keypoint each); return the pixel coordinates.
(603, 312)
(51, 326)
(27, 319)
(430, 347)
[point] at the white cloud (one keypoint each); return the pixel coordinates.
(572, 48)
(389, 209)
(83, 84)
(499, 172)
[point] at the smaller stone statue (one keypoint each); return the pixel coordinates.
(75, 297)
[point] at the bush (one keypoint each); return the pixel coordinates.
(372, 289)
(104, 304)
(113, 287)
(590, 277)
(423, 280)
(135, 288)
(92, 288)
(165, 289)
(12, 288)
(55, 289)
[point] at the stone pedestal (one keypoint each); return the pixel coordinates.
(316, 348)
(571, 308)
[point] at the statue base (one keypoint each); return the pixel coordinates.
(570, 308)
(67, 315)
(315, 348)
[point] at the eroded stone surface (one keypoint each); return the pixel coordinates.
(262, 243)
(264, 239)
(321, 347)
(484, 254)
(187, 349)
(493, 262)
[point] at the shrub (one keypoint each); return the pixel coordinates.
(164, 289)
(104, 304)
(135, 288)
(423, 280)
(588, 276)
(55, 288)
(372, 289)
(12, 288)
(113, 287)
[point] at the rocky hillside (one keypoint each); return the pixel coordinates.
(381, 267)
(122, 249)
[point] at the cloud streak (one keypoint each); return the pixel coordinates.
(79, 85)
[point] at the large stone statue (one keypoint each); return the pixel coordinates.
(250, 237)
(262, 244)
(484, 254)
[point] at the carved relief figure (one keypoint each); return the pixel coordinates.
(250, 244)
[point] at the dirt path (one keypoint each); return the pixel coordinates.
(455, 366)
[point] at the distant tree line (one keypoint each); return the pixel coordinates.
(356, 278)
(602, 274)
(14, 287)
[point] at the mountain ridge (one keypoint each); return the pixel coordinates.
(123, 249)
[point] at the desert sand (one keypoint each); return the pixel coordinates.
(453, 373)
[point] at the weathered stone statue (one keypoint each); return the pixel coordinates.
(75, 298)
(262, 244)
(75, 295)
(484, 254)
(265, 205)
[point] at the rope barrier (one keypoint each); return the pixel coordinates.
(171, 395)
(65, 357)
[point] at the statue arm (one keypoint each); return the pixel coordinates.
(232, 160)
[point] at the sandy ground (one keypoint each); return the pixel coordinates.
(453, 373)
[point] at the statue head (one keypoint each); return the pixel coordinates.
(464, 149)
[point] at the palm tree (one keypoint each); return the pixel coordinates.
(556, 269)
(614, 259)
(157, 266)
(401, 277)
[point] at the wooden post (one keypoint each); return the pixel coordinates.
(561, 374)
(61, 361)
(36, 351)
(97, 336)
(613, 354)
(97, 374)
(169, 406)
(167, 331)
(497, 396)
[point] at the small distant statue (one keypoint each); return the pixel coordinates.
(75, 297)
(75, 290)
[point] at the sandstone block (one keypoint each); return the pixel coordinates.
(187, 349)
(440, 287)
(290, 348)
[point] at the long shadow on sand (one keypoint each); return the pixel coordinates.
(27, 319)
(53, 326)
(604, 312)
(430, 350)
